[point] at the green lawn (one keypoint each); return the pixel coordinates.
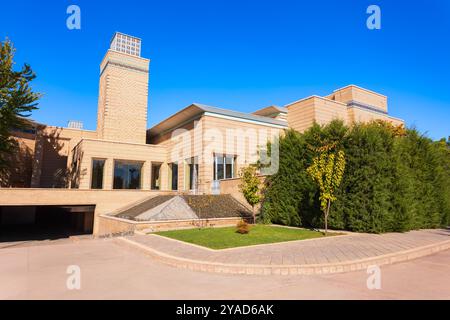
(222, 238)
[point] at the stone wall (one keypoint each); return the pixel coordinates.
(110, 151)
(105, 201)
(52, 155)
(123, 94)
(231, 187)
(361, 95)
(20, 170)
(304, 113)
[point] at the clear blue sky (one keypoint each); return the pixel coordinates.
(241, 55)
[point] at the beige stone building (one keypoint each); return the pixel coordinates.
(191, 151)
(198, 150)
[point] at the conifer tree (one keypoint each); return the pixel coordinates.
(395, 179)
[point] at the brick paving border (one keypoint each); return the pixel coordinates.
(201, 259)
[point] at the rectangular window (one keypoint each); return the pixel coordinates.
(219, 169)
(191, 173)
(193, 176)
(224, 167)
(173, 176)
(98, 166)
(229, 167)
(156, 176)
(127, 175)
(75, 179)
(75, 169)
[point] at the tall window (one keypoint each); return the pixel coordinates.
(224, 167)
(98, 166)
(75, 169)
(156, 176)
(127, 175)
(191, 174)
(173, 176)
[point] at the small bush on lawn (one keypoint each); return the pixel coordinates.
(243, 227)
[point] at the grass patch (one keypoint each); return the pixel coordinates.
(223, 238)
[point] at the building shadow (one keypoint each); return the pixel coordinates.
(52, 169)
(19, 170)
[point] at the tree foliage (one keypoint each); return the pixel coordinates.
(250, 187)
(17, 100)
(395, 179)
(327, 170)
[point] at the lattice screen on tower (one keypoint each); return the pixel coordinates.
(73, 124)
(126, 44)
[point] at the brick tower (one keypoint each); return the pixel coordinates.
(123, 92)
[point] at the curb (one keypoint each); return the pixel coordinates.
(305, 269)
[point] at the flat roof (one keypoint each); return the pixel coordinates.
(197, 109)
(361, 88)
(315, 97)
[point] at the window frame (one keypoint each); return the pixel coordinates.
(152, 166)
(224, 157)
(171, 180)
(141, 163)
(189, 184)
(92, 173)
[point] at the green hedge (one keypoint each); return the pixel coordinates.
(395, 180)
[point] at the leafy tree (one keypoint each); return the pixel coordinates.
(17, 100)
(250, 187)
(290, 195)
(327, 171)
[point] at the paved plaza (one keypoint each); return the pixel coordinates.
(112, 271)
(316, 256)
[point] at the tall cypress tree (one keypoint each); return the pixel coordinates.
(289, 188)
(395, 179)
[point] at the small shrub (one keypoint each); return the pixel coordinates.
(250, 187)
(243, 227)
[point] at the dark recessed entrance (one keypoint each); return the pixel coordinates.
(25, 223)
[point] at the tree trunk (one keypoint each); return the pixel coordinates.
(326, 217)
(254, 214)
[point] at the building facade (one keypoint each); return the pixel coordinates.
(191, 152)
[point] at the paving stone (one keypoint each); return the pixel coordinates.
(331, 252)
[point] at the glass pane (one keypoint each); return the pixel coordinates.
(134, 172)
(174, 176)
(220, 172)
(229, 168)
(193, 176)
(97, 174)
(220, 168)
(119, 176)
(214, 169)
(156, 177)
(127, 175)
